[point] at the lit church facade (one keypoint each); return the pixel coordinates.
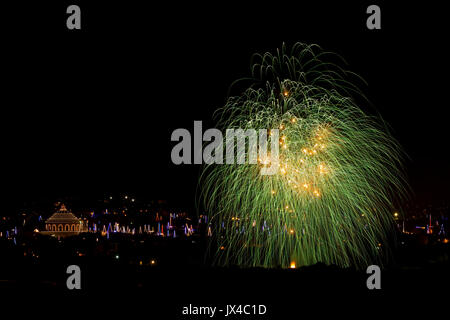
(63, 223)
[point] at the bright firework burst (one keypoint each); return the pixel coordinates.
(339, 172)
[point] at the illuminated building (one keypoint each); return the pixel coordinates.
(63, 223)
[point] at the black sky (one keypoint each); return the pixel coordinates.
(91, 111)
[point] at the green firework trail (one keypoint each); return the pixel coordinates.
(339, 171)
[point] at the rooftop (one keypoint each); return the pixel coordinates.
(63, 216)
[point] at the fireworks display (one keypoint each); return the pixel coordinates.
(339, 170)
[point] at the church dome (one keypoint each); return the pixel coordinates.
(63, 216)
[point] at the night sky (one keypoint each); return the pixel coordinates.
(91, 111)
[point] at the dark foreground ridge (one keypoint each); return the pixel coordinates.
(117, 286)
